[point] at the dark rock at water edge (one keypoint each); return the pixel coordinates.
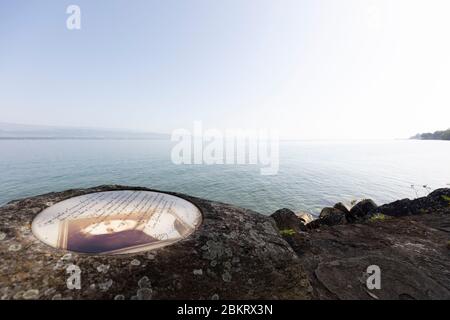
(362, 209)
(412, 252)
(434, 202)
(332, 216)
(413, 255)
(339, 214)
(290, 226)
(328, 217)
(286, 219)
(342, 207)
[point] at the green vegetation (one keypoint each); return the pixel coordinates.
(446, 198)
(438, 135)
(287, 232)
(379, 217)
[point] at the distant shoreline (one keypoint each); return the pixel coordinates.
(437, 135)
(12, 131)
(78, 138)
(168, 138)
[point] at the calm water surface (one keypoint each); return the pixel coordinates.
(311, 174)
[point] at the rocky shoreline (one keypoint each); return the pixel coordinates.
(408, 239)
(241, 254)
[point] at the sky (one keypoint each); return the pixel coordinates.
(312, 69)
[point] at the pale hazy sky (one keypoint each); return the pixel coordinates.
(313, 69)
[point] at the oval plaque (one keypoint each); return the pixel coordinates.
(116, 222)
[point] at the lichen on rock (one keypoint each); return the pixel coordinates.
(230, 245)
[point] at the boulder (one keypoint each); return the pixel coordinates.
(286, 219)
(441, 195)
(332, 217)
(342, 207)
(437, 201)
(362, 209)
(328, 217)
(398, 208)
(234, 254)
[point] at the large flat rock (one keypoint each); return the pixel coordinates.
(234, 254)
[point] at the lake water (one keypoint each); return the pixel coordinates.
(311, 174)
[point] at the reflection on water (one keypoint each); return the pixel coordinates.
(311, 175)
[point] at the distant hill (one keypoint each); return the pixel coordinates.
(23, 131)
(438, 135)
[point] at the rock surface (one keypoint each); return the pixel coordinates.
(286, 219)
(436, 201)
(235, 254)
(342, 207)
(413, 252)
(240, 254)
(332, 216)
(361, 209)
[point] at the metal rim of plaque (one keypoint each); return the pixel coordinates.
(117, 222)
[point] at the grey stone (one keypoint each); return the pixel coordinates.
(332, 217)
(342, 207)
(362, 209)
(261, 253)
(287, 220)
